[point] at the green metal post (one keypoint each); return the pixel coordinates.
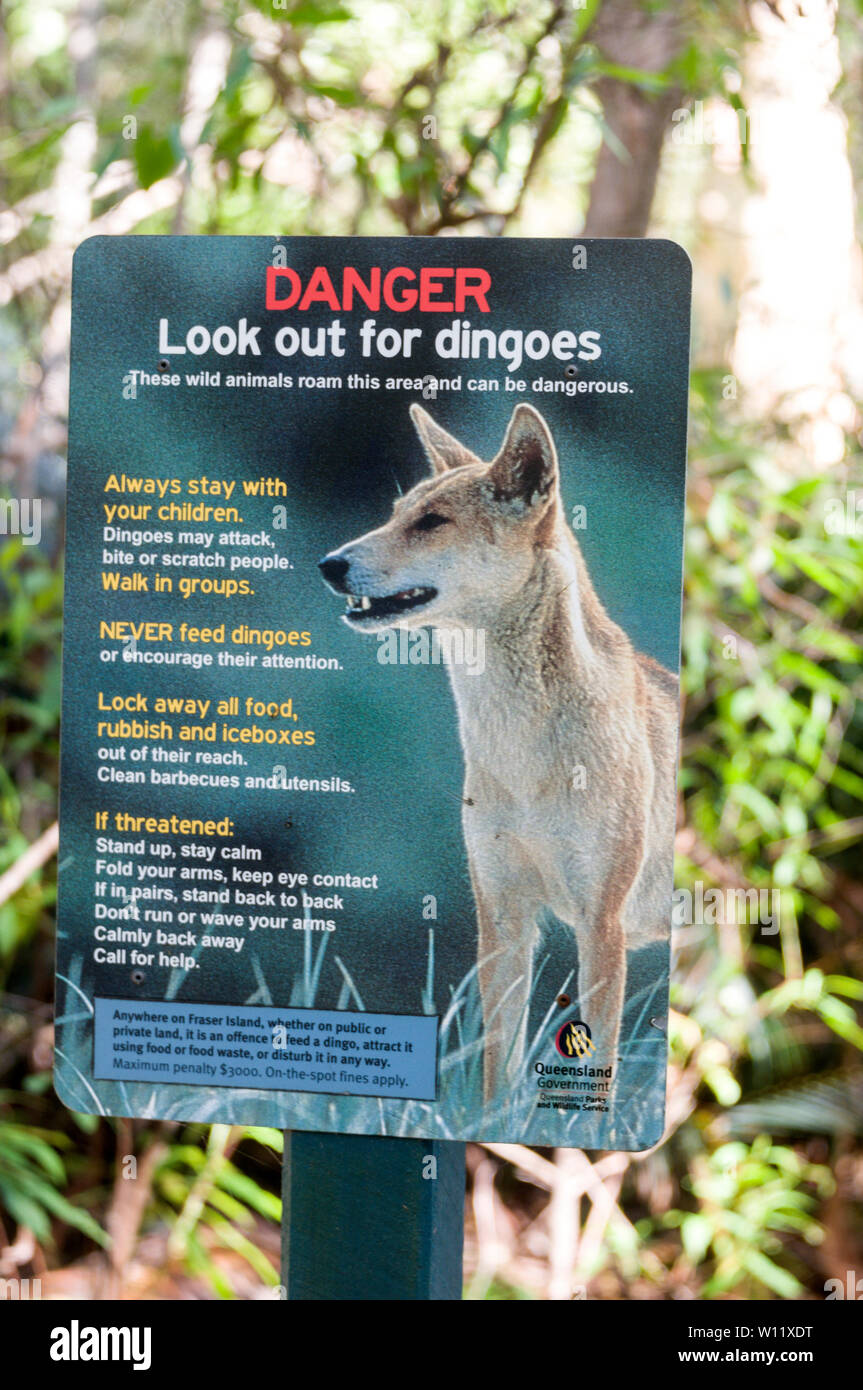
(368, 1219)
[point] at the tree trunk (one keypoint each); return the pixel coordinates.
(622, 191)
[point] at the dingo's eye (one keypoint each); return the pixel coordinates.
(431, 521)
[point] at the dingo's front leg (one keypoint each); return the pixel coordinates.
(505, 970)
(600, 931)
(506, 918)
(602, 984)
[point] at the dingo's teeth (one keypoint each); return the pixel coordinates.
(378, 606)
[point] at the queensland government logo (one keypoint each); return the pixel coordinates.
(573, 1040)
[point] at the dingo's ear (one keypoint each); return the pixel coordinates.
(443, 451)
(525, 470)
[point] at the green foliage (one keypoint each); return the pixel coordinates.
(748, 1196)
(32, 1179)
(199, 1187)
(450, 129)
(156, 155)
(30, 604)
(773, 767)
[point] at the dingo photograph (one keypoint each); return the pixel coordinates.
(486, 546)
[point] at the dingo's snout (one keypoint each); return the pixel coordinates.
(335, 568)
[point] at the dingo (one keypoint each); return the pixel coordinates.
(486, 546)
